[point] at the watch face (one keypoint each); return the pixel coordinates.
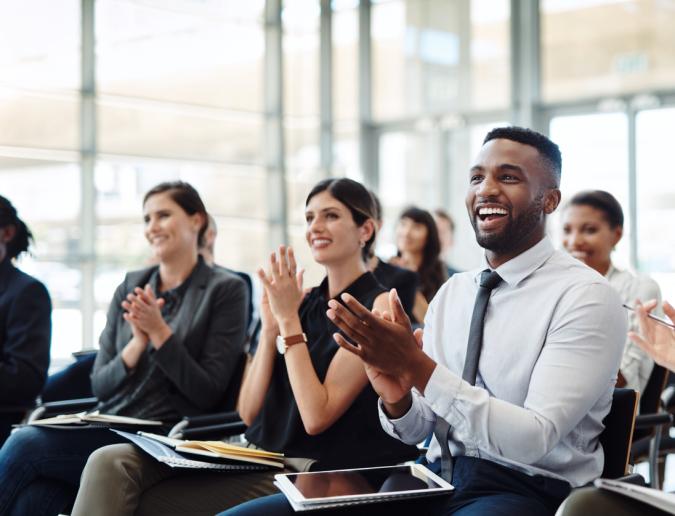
(281, 344)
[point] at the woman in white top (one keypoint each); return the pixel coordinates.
(592, 226)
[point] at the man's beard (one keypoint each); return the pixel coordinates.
(515, 231)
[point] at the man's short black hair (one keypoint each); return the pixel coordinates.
(548, 150)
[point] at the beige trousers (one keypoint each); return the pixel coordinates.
(122, 480)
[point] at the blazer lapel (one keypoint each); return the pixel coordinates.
(193, 296)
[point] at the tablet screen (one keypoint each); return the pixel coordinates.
(328, 484)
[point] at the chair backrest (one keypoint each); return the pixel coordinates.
(651, 397)
(72, 382)
(618, 433)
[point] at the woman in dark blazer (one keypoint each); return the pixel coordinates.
(25, 324)
(173, 335)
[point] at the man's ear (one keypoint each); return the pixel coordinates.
(551, 200)
(618, 233)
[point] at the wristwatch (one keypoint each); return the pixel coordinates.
(283, 343)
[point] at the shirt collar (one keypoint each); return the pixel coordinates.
(517, 269)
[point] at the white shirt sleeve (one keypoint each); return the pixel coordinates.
(577, 363)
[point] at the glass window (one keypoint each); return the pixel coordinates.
(656, 197)
(436, 55)
(207, 53)
(301, 142)
(300, 19)
(345, 64)
(346, 150)
(606, 47)
(167, 130)
(40, 45)
(595, 157)
(39, 119)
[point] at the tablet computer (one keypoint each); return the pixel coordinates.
(327, 488)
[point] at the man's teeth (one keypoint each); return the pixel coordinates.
(492, 211)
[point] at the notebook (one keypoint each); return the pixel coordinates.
(93, 418)
(342, 488)
(653, 497)
(170, 452)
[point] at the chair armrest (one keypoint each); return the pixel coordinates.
(645, 421)
(218, 431)
(212, 419)
(633, 478)
(668, 397)
(62, 407)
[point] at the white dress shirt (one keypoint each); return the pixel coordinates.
(553, 337)
(636, 365)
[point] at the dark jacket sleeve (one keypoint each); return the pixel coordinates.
(25, 354)
(109, 371)
(203, 377)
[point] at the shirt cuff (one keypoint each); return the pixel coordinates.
(442, 390)
(397, 427)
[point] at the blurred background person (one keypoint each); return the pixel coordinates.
(207, 250)
(446, 234)
(25, 324)
(405, 281)
(592, 226)
(419, 250)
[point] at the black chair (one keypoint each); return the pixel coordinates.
(650, 423)
(73, 381)
(53, 408)
(617, 436)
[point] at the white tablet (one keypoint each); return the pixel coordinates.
(361, 485)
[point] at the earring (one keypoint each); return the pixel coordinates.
(362, 244)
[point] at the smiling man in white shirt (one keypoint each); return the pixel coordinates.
(552, 338)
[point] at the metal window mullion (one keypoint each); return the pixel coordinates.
(525, 37)
(88, 149)
(326, 87)
(275, 166)
(631, 115)
(367, 133)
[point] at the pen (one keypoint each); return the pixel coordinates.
(657, 319)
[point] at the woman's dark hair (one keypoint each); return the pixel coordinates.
(23, 237)
(355, 197)
(603, 201)
(185, 196)
(432, 272)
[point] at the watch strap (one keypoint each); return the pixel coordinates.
(294, 339)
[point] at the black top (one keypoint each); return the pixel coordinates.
(355, 439)
(25, 336)
(403, 280)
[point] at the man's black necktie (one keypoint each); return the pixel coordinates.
(488, 281)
